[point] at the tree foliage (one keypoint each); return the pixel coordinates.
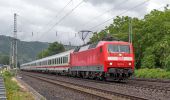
(4, 59)
(151, 37)
(53, 48)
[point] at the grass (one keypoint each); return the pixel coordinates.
(152, 73)
(13, 90)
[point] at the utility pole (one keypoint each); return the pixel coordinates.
(13, 51)
(130, 30)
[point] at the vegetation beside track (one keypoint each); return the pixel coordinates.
(13, 90)
(151, 37)
(152, 73)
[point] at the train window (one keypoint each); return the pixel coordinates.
(113, 48)
(124, 48)
(61, 60)
(51, 61)
(118, 48)
(67, 59)
(55, 61)
(64, 59)
(58, 60)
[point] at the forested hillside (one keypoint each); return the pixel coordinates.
(27, 51)
(151, 37)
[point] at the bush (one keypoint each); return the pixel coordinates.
(152, 73)
(167, 63)
(148, 61)
(7, 74)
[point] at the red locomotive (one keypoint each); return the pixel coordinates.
(106, 59)
(102, 60)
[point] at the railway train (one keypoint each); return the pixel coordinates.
(102, 60)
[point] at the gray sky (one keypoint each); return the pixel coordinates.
(38, 16)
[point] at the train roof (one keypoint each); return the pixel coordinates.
(97, 44)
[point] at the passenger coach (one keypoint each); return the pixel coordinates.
(56, 63)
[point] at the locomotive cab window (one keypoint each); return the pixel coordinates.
(118, 48)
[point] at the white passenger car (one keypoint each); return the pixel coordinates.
(54, 63)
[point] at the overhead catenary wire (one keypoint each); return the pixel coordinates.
(98, 16)
(118, 15)
(66, 15)
(59, 12)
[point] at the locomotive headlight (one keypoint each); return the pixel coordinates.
(110, 63)
(130, 64)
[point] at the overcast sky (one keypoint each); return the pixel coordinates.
(40, 17)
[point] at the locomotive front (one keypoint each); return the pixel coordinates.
(119, 62)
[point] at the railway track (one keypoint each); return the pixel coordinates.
(103, 94)
(147, 84)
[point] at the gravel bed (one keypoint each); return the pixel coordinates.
(125, 88)
(54, 92)
(151, 80)
(164, 87)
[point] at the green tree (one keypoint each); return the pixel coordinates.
(151, 37)
(53, 48)
(4, 59)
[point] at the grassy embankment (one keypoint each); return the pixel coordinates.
(13, 90)
(152, 73)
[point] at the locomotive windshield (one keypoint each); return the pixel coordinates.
(118, 48)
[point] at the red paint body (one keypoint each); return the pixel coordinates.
(95, 57)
